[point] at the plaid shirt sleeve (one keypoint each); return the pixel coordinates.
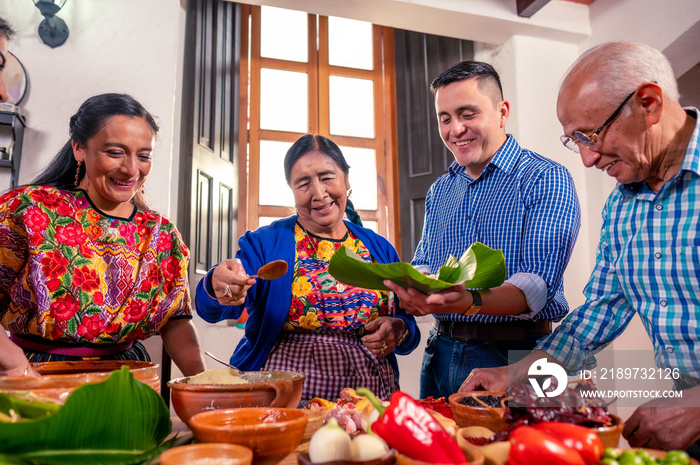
(592, 326)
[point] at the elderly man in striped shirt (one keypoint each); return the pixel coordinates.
(648, 260)
(508, 198)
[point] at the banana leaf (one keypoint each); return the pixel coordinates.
(118, 421)
(479, 267)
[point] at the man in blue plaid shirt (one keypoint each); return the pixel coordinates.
(502, 195)
(648, 259)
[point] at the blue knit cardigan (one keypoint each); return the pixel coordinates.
(268, 302)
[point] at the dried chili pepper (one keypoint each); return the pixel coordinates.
(409, 428)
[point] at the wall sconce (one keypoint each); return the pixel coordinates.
(52, 30)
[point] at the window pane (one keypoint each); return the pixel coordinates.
(283, 34)
(344, 51)
(265, 220)
(283, 100)
(273, 187)
(370, 225)
(351, 107)
(363, 177)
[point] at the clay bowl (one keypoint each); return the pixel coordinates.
(472, 457)
(266, 389)
(488, 417)
(610, 435)
(59, 379)
(271, 433)
(193, 454)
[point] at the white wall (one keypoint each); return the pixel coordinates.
(135, 46)
(128, 46)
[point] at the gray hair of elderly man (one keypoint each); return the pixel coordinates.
(620, 67)
(6, 30)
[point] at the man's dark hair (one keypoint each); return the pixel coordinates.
(482, 72)
(5, 29)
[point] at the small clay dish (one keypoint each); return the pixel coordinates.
(192, 454)
(483, 415)
(610, 435)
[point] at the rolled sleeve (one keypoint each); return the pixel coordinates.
(535, 290)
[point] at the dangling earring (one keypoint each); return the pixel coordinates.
(349, 193)
(77, 174)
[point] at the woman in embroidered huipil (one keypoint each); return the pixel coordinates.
(87, 270)
(337, 335)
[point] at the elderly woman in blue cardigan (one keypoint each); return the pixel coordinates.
(337, 335)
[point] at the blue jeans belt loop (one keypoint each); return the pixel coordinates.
(511, 331)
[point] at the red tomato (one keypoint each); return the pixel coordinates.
(533, 447)
(583, 440)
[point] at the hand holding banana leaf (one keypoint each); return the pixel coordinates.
(479, 267)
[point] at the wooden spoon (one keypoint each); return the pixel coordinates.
(273, 270)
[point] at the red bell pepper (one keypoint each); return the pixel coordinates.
(529, 446)
(408, 427)
(583, 440)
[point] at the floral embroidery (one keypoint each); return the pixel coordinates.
(70, 272)
(301, 286)
(319, 302)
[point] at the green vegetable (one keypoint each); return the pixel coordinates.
(629, 457)
(479, 267)
(679, 456)
(118, 421)
(24, 407)
(643, 457)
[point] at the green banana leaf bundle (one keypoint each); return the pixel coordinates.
(118, 421)
(480, 267)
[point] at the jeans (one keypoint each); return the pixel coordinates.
(447, 362)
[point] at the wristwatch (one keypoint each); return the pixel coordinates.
(476, 303)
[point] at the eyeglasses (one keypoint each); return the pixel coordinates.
(572, 143)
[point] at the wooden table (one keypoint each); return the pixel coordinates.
(181, 429)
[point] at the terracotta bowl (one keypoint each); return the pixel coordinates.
(193, 454)
(59, 379)
(272, 433)
(472, 458)
(488, 417)
(610, 435)
(266, 389)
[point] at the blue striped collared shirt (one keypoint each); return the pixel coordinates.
(648, 262)
(523, 204)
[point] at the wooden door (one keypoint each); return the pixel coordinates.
(422, 156)
(210, 166)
